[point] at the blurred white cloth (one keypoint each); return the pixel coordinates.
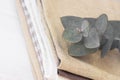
(14, 60)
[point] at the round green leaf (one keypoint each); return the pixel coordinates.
(72, 35)
(92, 41)
(109, 35)
(71, 21)
(85, 28)
(79, 49)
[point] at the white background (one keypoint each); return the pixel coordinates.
(14, 60)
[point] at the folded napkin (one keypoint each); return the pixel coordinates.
(91, 66)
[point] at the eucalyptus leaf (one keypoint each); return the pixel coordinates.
(72, 35)
(116, 28)
(91, 21)
(103, 41)
(115, 44)
(85, 28)
(71, 21)
(101, 24)
(109, 35)
(106, 47)
(79, 49)
(119, 45)
(92, 41)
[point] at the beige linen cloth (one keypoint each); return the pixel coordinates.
(37, 72)
(91, 66)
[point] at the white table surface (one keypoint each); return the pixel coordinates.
(14, 60)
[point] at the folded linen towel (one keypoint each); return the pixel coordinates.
(91, 66)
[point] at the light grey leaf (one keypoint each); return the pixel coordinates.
(103, 41)
(92, 41)
(119, 45)
(101, 23)
(115, 44)
(116, 28)
(71, 21)
(72, 35)
(85, 28)
(91, 21)
(106, 47)
(109, 35)
(78, 49)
